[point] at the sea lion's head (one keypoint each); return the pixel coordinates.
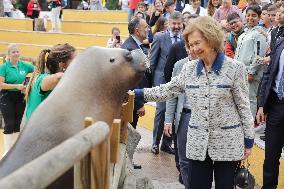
(135, 59)
(132, 63)
(112, 67)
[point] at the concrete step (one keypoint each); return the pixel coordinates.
(88, 15)
(46, 38)
(69, 26)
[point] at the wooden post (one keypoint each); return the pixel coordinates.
(114, 141)
(100, 156)
(126, 117)
(82, 169)
(101, 165)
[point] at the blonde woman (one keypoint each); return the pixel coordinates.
(12, 75)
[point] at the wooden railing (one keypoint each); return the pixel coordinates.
(46, 168)
(96, 158)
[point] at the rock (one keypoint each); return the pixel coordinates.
(133, 140)
(135, 178)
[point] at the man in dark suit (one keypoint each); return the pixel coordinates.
(176, 53)
(177, 50)
(160, 50)
(138, 31)
(271, 110)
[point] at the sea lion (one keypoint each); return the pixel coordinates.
(94, 85)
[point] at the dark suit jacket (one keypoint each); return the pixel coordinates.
(159, 53)
(176, 53)
(130, 45)
(276, 33)
(268, 80)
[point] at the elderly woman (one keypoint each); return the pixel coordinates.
(12, 76)
(220, 130)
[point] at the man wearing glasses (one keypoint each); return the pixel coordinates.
(236, 27)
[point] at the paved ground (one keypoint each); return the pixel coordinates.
(161, 168)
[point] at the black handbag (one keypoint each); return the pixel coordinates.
(243, 177)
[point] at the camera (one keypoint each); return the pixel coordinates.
(117, 38)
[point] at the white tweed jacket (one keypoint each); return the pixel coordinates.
(221, 122)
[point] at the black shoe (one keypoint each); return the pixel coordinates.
(136, 166)
(262, 137)
(167, 149)
(155, 150)
(180, 179)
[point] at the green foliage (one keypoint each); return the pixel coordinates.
(112, 4)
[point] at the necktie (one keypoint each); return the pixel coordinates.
(176, 38)
(280, 90)
(145, 51)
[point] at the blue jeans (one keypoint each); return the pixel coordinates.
(159, 126)
(204, 3)
(8, 14)
(184, 162)
(130, 14)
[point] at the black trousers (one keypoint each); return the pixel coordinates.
(201, 174)
(274, 142)
(135, 119)
(12, 105)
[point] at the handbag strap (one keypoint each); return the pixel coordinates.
(248, 164)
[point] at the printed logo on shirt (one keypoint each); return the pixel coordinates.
(23, 72)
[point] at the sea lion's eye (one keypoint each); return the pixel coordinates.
(112, 59)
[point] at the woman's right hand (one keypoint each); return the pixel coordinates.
(247, 153)
(115, 41)
(21, 88)
(260, 116)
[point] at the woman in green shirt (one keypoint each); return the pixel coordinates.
(12, 75)
(48, 73)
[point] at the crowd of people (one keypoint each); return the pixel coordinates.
(18, 9)
(22, 93)
(216, 78)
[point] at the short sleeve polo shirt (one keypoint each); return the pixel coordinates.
(36, 95)
(15, 75)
